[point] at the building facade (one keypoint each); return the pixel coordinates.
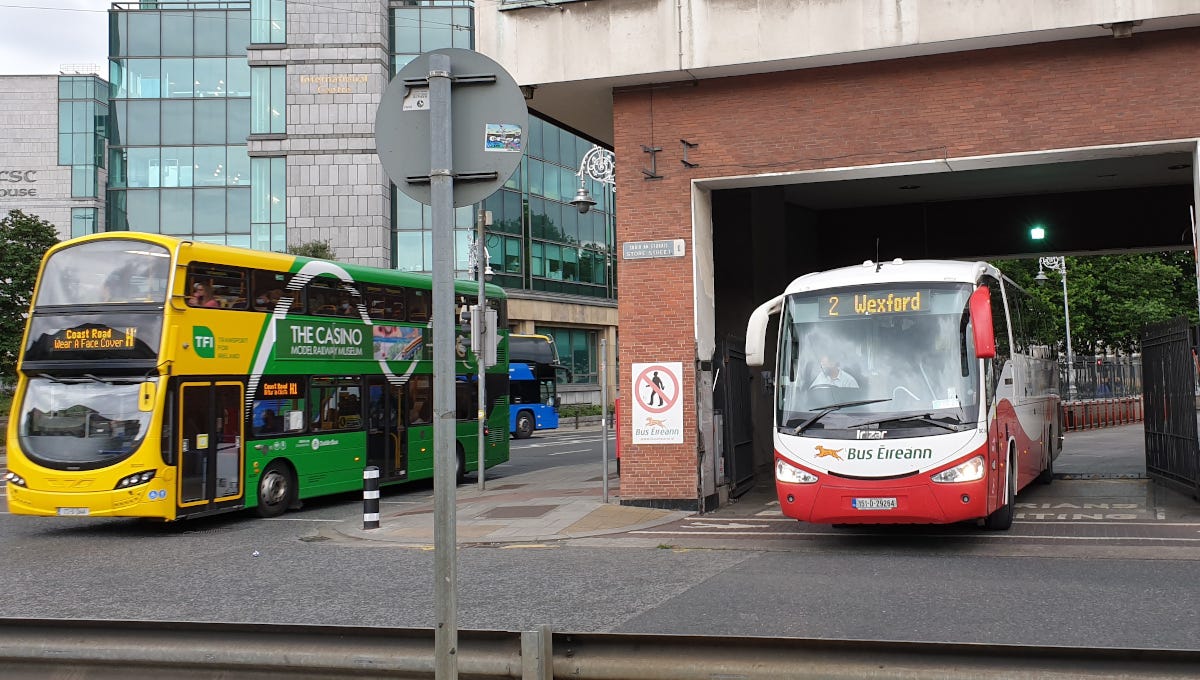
(251, 123)
(777, 138)
(52, 163)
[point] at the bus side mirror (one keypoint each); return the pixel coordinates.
(981, 323)
(756, 330)
(146, 392)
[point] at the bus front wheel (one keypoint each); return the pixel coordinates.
(525, 425)
(276, 488)
(1002, 518)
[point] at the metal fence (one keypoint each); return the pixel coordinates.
(1102, 377)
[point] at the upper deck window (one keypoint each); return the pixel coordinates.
(106, 272)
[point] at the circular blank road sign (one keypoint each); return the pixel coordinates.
(488, 127)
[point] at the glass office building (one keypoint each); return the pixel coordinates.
(251, 123)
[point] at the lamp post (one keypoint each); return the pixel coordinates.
(481, 265)
(598, 164)
(1059, 264)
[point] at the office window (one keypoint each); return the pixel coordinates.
(577, 350)
(267, 199)
(177, 34)
(268, 19)
(268, 97)
(83, 221)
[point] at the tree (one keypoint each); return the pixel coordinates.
(319, 249)
(1112, 297)
(24, 239)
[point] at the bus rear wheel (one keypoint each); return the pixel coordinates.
(276, 488)
(525, 425)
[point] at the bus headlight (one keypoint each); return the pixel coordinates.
(135, 479)
(15, 479)
(791, 474)
(969, 471)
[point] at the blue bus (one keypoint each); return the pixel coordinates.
(533, 386)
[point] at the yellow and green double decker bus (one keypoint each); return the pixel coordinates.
(170, 379)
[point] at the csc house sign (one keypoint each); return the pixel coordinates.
(21, 179)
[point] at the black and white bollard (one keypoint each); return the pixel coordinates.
(371, 497)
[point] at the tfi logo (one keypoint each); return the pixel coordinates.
(204, 342)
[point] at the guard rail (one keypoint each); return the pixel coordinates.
(99, 650)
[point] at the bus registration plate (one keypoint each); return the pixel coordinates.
(71, 512)
(873, 503)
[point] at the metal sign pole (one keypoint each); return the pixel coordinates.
(441, 181)
(604, 415)
(481, 317)
(472, 150)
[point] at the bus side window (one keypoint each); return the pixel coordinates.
(349, 408)
(420, 400)
(395, 298)
(466, 400)
(375, 302)
(267, 287)
(418, 306)
(210, 285)
(323, 296)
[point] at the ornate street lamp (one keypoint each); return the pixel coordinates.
(599, 164)
(1059, 264)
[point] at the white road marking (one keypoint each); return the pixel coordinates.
(301, 519)
(561, 453)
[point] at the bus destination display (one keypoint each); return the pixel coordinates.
(874, 302)
(92, 337)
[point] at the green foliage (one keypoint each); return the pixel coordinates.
(572, 410)
(322, 250)
(24, 239)
(1111, 297)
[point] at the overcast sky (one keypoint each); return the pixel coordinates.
(39, 36)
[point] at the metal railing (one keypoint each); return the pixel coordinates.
(1102, 377)
(124, 649)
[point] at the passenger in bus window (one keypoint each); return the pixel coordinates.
(832, 375)
(202, 296)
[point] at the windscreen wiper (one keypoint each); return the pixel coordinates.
(926, 418)
(826, 410)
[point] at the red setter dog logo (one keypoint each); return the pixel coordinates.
(654, 422)
(823, 452)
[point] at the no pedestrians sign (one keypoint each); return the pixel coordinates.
(657, 407)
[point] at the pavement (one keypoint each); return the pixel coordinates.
(552, 504)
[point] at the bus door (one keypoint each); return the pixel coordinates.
(387, 446)
(211, 460)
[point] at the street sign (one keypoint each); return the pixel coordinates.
(488, 122)
(640, 250)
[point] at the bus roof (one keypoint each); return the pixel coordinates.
(895, 271)
(230, 255)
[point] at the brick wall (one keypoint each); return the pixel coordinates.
(1078, 93)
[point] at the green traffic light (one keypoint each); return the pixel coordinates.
(1037, 233)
